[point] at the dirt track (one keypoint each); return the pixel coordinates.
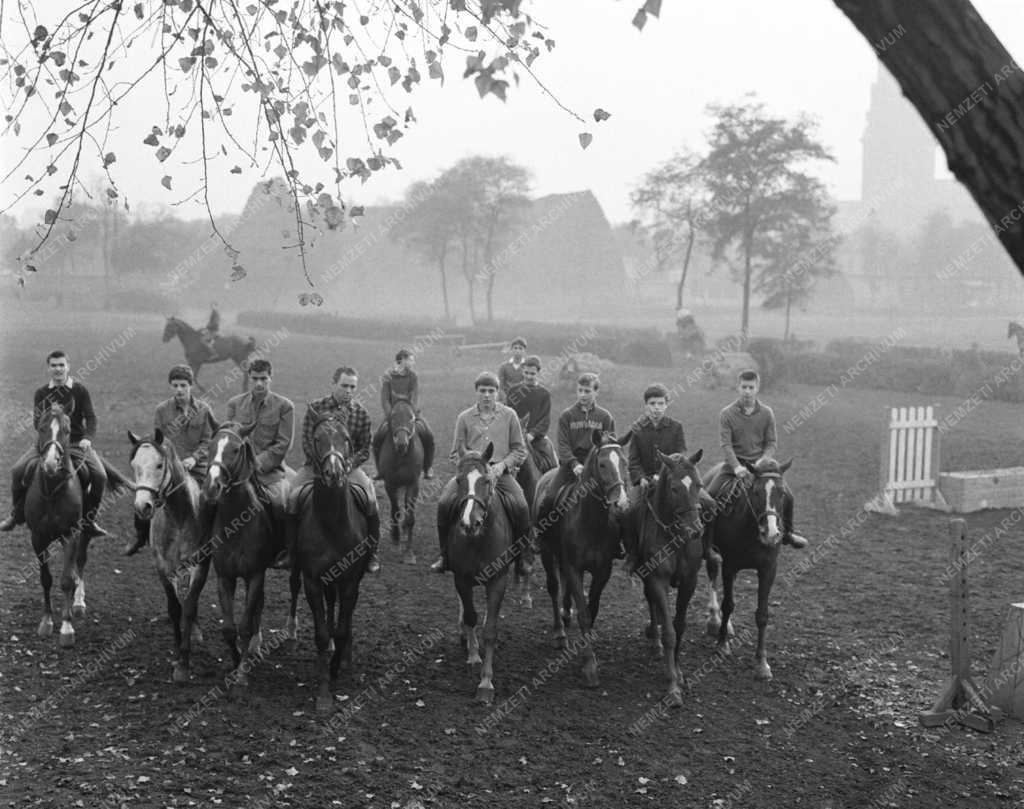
(857, 645)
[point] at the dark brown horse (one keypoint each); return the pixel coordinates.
(669, 553)
(581, 536)
(244, 539)
(197, 353)
(53, 513)
(479, 549)
(747, 532)
(167, 497)
(331, 552)
(401, 462)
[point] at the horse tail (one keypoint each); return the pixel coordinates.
(116, 481)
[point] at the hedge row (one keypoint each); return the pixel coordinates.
(882, 365)
(623, 345)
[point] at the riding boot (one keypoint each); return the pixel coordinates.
(286, 556)
(789, 536)
(373, 538)
(17, 515)
(441, 564)
(709, 508)
(91, 509)
(142, 529)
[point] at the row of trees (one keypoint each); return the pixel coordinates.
(465, 218)
(748, 199)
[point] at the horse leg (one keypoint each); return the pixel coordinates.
(45, 628)
(226, 596)
(190, 632)
(78, 572)
(573, 581)
(728, 580)
(468, 619)
(173, 609)
(315, 597)
(250, 637)
(347, 598)
(394, 513)
(714, 612)
(687, 587)
(765, 580)
(651, 632)
(495, 595)
(294, 585)
(68, 584)
(597, 585)
(657, 594)
(330, 599)
(557, 626)
(195, 375)
(412, 494)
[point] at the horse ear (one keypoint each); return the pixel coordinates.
(245, 430)
(158, 437)
(134, 438)
(665, 459)
(784, 467)
(488, 452)
(695, 458)
(213, 422)
(597, 438)
(524, 422)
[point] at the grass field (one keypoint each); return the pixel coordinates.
(857, 639)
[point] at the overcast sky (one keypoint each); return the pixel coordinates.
(797, 55)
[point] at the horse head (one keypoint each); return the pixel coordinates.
(764, 498)
(332, 448)
(170, 328)
(475, 489)
(53, 437)
(402, 425)
(153, 465)
(233, 462)
(677, 493)
(606, 469)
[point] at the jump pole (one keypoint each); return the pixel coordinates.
(961, 701)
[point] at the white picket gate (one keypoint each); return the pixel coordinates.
(910, 461)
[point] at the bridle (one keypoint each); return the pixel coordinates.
(678, 516)
(233, 475)
(470, 496)
(611, 487)
(323, 459)
(161, 492)
(770, 510)
(408, 430)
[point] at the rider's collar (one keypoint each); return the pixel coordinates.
(51, 384)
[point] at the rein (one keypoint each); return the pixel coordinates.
(768, 510)
(235, 479)
(161, 492)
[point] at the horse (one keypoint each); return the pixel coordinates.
(583, 538)
(244, 540)
(747, 531)
(480, 548)
(528, 476)
(167, 497)
(1016, 330)
(197, 353)
(331, 551)
(53, 512)
(401, 462)
(669, 552)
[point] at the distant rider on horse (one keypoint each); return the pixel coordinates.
(510, 373)
(73, 397)
(187, 423)
(532, 401)
(401, 384)
(747, 432)
(340, 402)
(209, 332)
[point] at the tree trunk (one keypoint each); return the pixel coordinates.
(444, 285)
(489, 289)
(748, 247)
(686, 268)
(968, 90)
(469, 280)
(789, 306)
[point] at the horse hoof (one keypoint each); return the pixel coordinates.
(197, 635)
(180, 675)
(724, 648)
(45, 627)
(485, 694)
(324, 704)
(526, 602)
(241, 682)
(560, 641)
(410, 559)
(763, 672)
(590, 674)
(675, 699)
(473, 660)
(712, 627)
(650, 631)
(67, 638)
(78, 611)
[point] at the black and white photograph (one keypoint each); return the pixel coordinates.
(502, 404)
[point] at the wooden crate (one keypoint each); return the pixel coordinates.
(983, 488)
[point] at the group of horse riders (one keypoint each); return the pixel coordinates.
(747, 432)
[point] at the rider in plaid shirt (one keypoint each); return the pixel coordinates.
(357, 421)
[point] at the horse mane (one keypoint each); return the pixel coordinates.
(767, 466)
(470, 459)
